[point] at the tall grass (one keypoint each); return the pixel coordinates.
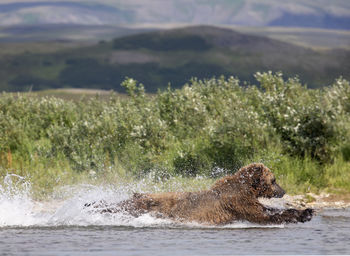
(207, 128)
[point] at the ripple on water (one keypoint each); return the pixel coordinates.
(64, 227)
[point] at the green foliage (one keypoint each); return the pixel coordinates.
(204, 127)
(298, 117)
(346, 153)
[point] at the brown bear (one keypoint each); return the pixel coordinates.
(232, 198)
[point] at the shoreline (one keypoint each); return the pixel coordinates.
(318, 202)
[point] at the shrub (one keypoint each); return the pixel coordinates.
(207, 125)
(298, 117)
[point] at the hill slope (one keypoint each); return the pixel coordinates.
(157, 58)
(64, 33)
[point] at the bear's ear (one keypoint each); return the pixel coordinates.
(253, 174)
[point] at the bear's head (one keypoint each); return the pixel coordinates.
(256, 178)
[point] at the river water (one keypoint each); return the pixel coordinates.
(62, 226)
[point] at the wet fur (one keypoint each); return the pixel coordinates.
(232, 198)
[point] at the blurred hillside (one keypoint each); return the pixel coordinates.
(167, 56)
(289, 13)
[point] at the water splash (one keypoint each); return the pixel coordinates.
(18, 209)
(16, 206)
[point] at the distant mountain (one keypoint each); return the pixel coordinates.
(171, 56)
(64, 33)
(315, 13)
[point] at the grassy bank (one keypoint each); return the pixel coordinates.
(207, 128)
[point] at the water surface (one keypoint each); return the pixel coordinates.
(65, 227)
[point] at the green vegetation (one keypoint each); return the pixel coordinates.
(207, 128)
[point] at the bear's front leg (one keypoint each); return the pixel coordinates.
(292, 216)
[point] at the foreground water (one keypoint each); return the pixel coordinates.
(62, 226)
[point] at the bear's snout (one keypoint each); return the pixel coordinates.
(278, 191)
